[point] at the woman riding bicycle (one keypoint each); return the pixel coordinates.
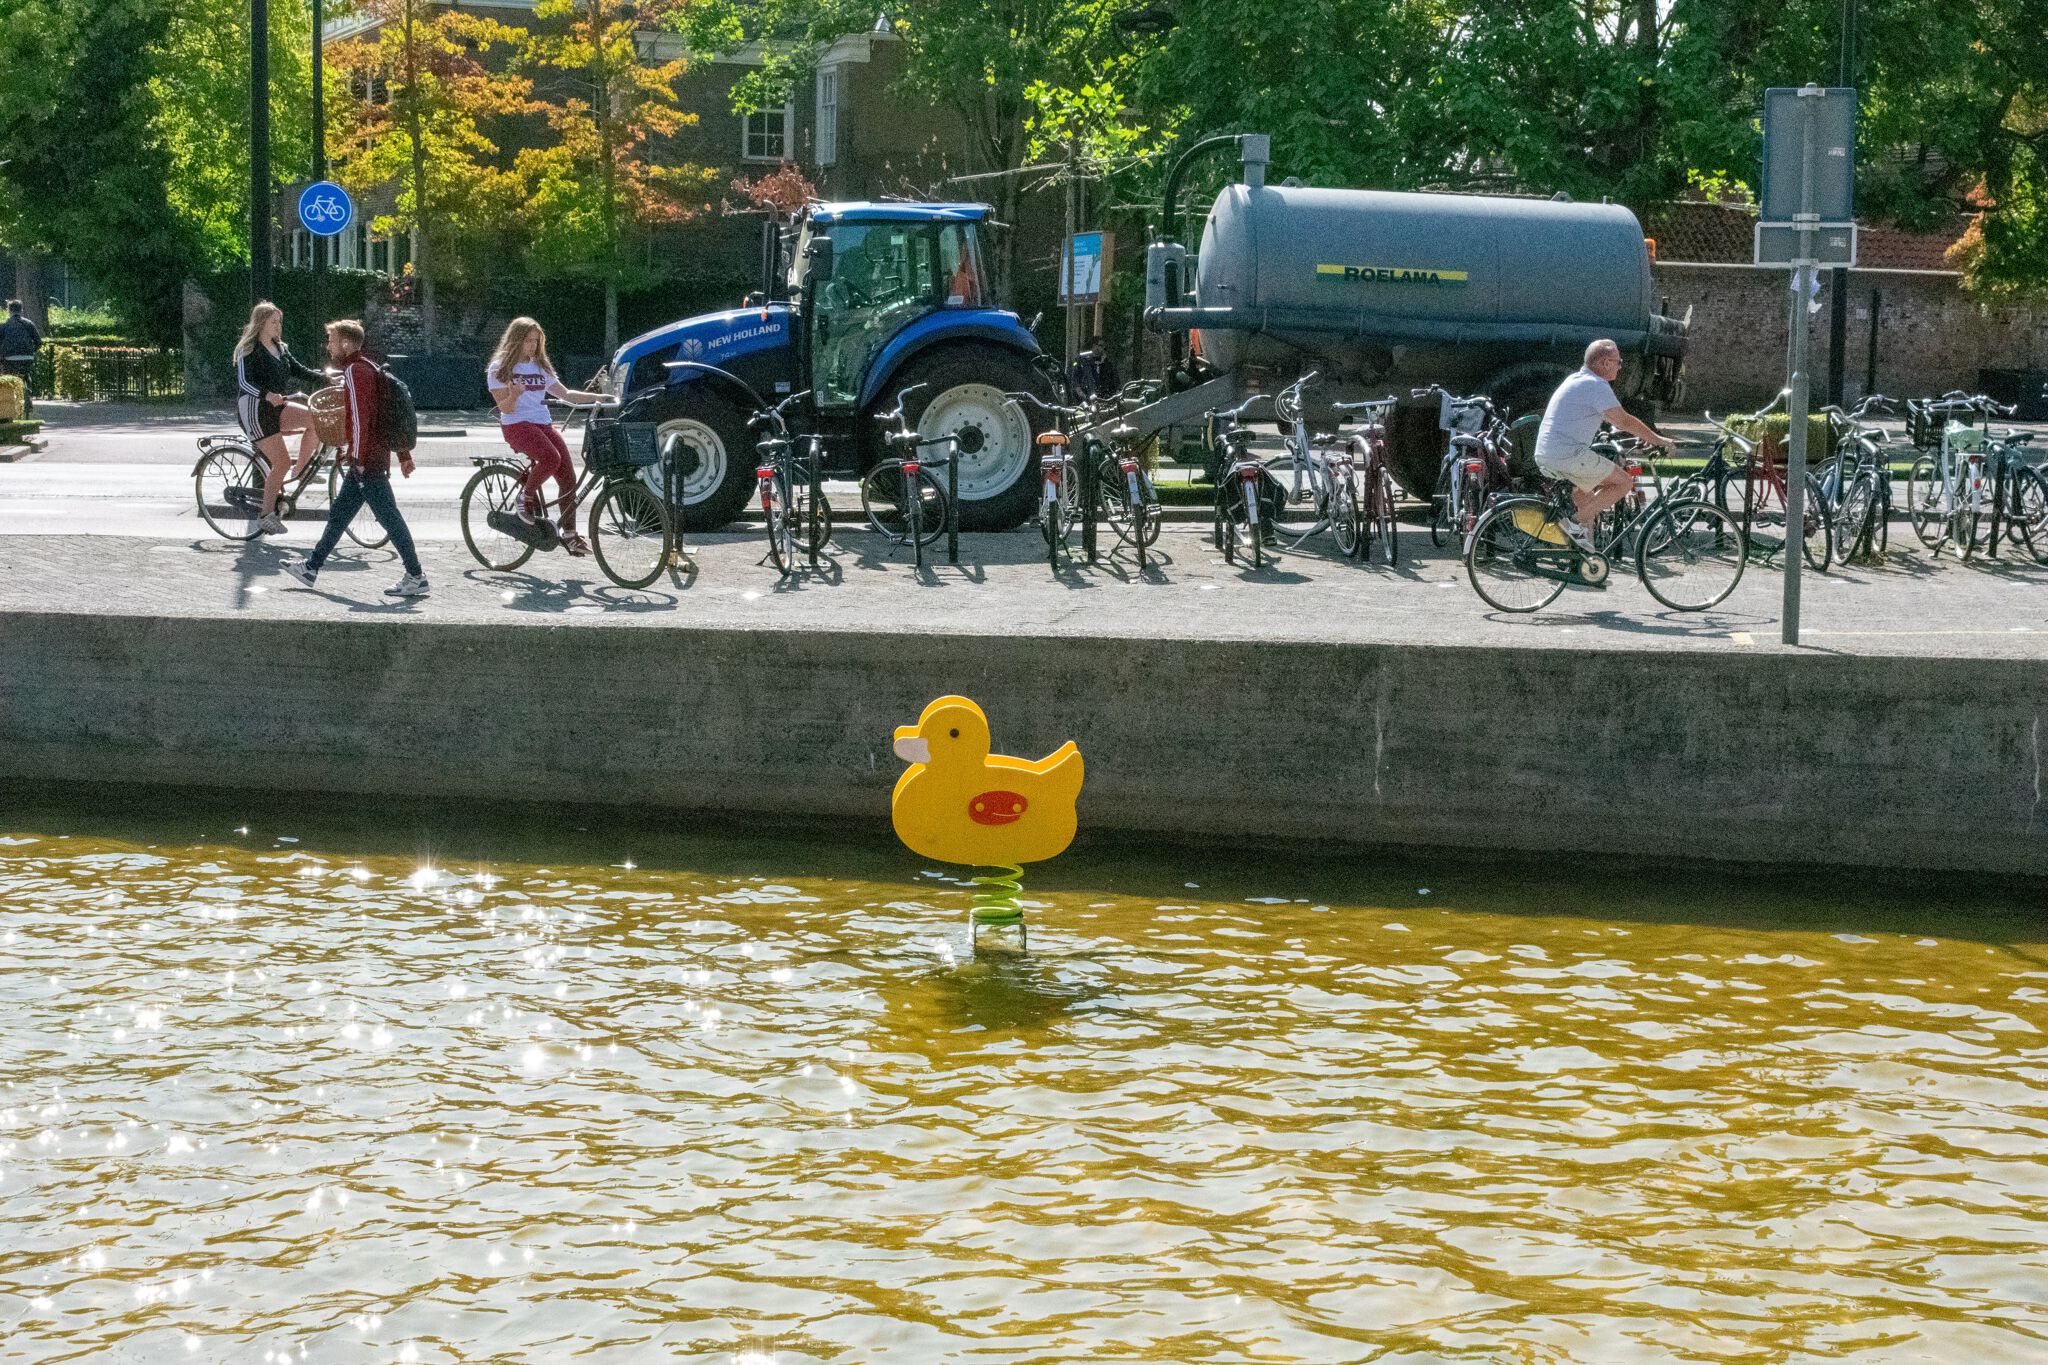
(264, 371)
(522, 379)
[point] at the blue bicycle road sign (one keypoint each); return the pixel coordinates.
(326, 209)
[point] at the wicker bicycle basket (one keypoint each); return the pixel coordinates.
(330, 415)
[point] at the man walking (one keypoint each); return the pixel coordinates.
(367, 466)
(1564, 443)
(19, 342)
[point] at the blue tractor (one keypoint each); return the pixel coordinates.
(860, 300)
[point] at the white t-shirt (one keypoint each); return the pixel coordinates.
(533, 384)
(1574, 416)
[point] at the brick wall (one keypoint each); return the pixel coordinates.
(1931, 337)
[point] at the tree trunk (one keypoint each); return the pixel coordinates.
(423, 265)
(32, 289)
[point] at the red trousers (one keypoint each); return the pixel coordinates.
(547, 457)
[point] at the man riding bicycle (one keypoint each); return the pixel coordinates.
(1564, 443)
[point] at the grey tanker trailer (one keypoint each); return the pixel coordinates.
(1384, 292)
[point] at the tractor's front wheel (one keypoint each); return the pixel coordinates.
(963, 397)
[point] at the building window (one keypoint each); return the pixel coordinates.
(765, 136)
(828, 116)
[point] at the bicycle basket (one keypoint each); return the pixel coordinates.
(1467, 419)
(330, 415)
(621, 447)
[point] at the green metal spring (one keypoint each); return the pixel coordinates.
(998, 900)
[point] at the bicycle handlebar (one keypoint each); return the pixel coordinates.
(772, 417)
(895, 414)
(1242, 410)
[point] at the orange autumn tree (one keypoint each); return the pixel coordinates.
(422, 96)
(609, 177)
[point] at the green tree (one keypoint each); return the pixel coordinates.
(605, 180)
(426, 96)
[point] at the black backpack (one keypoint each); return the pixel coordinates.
(396, 416)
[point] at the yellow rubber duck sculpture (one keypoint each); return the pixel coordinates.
(958, 803)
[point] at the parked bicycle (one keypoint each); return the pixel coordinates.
(1475, 466)
(1317, 479)
(1245, 492)
(1376, 481)
(1974, 488)
(902, 497)
(1858, 481)
(1059, 473)
(797, 515)
(1130, 500)
(1688, 552)
(1752, 487)
(228, 479)
(631, 526)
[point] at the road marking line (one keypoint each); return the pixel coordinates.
(1742, 637)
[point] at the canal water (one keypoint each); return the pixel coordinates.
(292, 1084)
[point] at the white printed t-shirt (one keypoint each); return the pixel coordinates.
(532, 405)
(1573, 418)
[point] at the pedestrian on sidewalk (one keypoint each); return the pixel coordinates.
(1094, 374)
(19, 342)
(366, 466)
(264, 370)
(521, 379)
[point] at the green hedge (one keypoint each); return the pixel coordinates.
(143, 373)
(305, 316)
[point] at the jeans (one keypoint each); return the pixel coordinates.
(357, 489)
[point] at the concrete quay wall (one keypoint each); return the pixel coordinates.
(1927, 763)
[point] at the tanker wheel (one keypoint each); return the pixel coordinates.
(964, 398)
(705, 444)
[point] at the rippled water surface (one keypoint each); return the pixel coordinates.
(369, 1085)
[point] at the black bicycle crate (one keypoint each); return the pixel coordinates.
(621, 447)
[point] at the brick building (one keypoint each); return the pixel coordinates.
(1909, 320)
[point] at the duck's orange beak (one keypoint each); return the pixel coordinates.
(911, 746)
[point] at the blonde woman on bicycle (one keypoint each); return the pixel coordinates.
(264, 371)
(522, 379)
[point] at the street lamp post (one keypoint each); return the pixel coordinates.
(259, 150)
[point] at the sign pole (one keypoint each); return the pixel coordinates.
(1795, 442)
(319, 158)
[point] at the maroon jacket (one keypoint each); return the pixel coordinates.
(369, 448)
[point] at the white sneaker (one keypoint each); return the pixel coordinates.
(297, 569)
(272, 525)
(1579, 534)
(412, 585)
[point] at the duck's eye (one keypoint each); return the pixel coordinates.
(954, 733)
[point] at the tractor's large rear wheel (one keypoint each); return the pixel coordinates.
(964, 397)
(707, 451)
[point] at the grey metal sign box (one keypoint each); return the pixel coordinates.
(1831, 113)
(1785, 244)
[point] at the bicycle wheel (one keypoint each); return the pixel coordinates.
(1819, 540)
(1381, 527)
(1294, 501)
(1690, 555)
(1241, 535)
(490, 506)
(229, 490)
(817, 519)
(365, 531)
(1966, 519)
(1515, 560)
(1471, 501)
(1440, 508)
(630, 533)
(1852, 515)
(1927, 502)
(1347, 523)
(2029, 512)
(886, 494)
(781, 527)
(1053, 520)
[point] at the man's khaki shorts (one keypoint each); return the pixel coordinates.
(1583, 467)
